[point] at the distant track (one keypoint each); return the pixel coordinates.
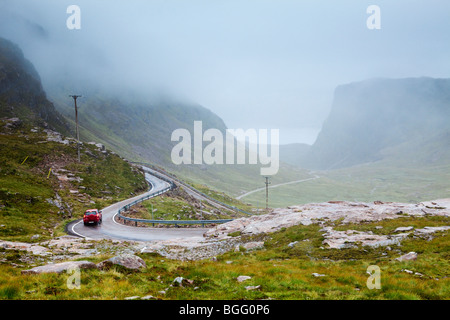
(276, 185)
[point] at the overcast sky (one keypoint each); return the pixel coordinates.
(255, 63)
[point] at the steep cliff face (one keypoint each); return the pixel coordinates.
(21, 92)
(370, 117)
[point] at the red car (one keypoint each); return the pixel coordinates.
(92, 216)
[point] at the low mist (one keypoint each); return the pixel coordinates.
(256, 64)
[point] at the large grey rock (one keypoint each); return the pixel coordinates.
(248, 288)
(60, 267)
(127, 261)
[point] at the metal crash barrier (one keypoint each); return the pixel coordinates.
(173, 222)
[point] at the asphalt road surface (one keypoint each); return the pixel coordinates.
(111, 229)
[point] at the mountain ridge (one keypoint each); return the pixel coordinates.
(372, 115)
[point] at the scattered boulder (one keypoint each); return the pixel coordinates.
(408, 257)
(181, 282)
(248, 288)
(243, 278)
(56, 137)
(13, 123)
(317, 275)
(407, 271)
(178, 280)
(402, 229)
(253, 245)
(292, 244)
(127, 261)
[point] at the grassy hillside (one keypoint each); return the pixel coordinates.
(130, 123)
(42, 186)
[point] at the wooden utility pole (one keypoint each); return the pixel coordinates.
(76, 121)
(267, 194)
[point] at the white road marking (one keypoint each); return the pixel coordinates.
(77, 232)
(114, 219)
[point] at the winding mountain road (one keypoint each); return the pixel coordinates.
(111, 229)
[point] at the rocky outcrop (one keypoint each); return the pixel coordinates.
(348, 212)
(61, 267)
(222, 238)
(70, 245)
(352, 238)
(427, 232)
